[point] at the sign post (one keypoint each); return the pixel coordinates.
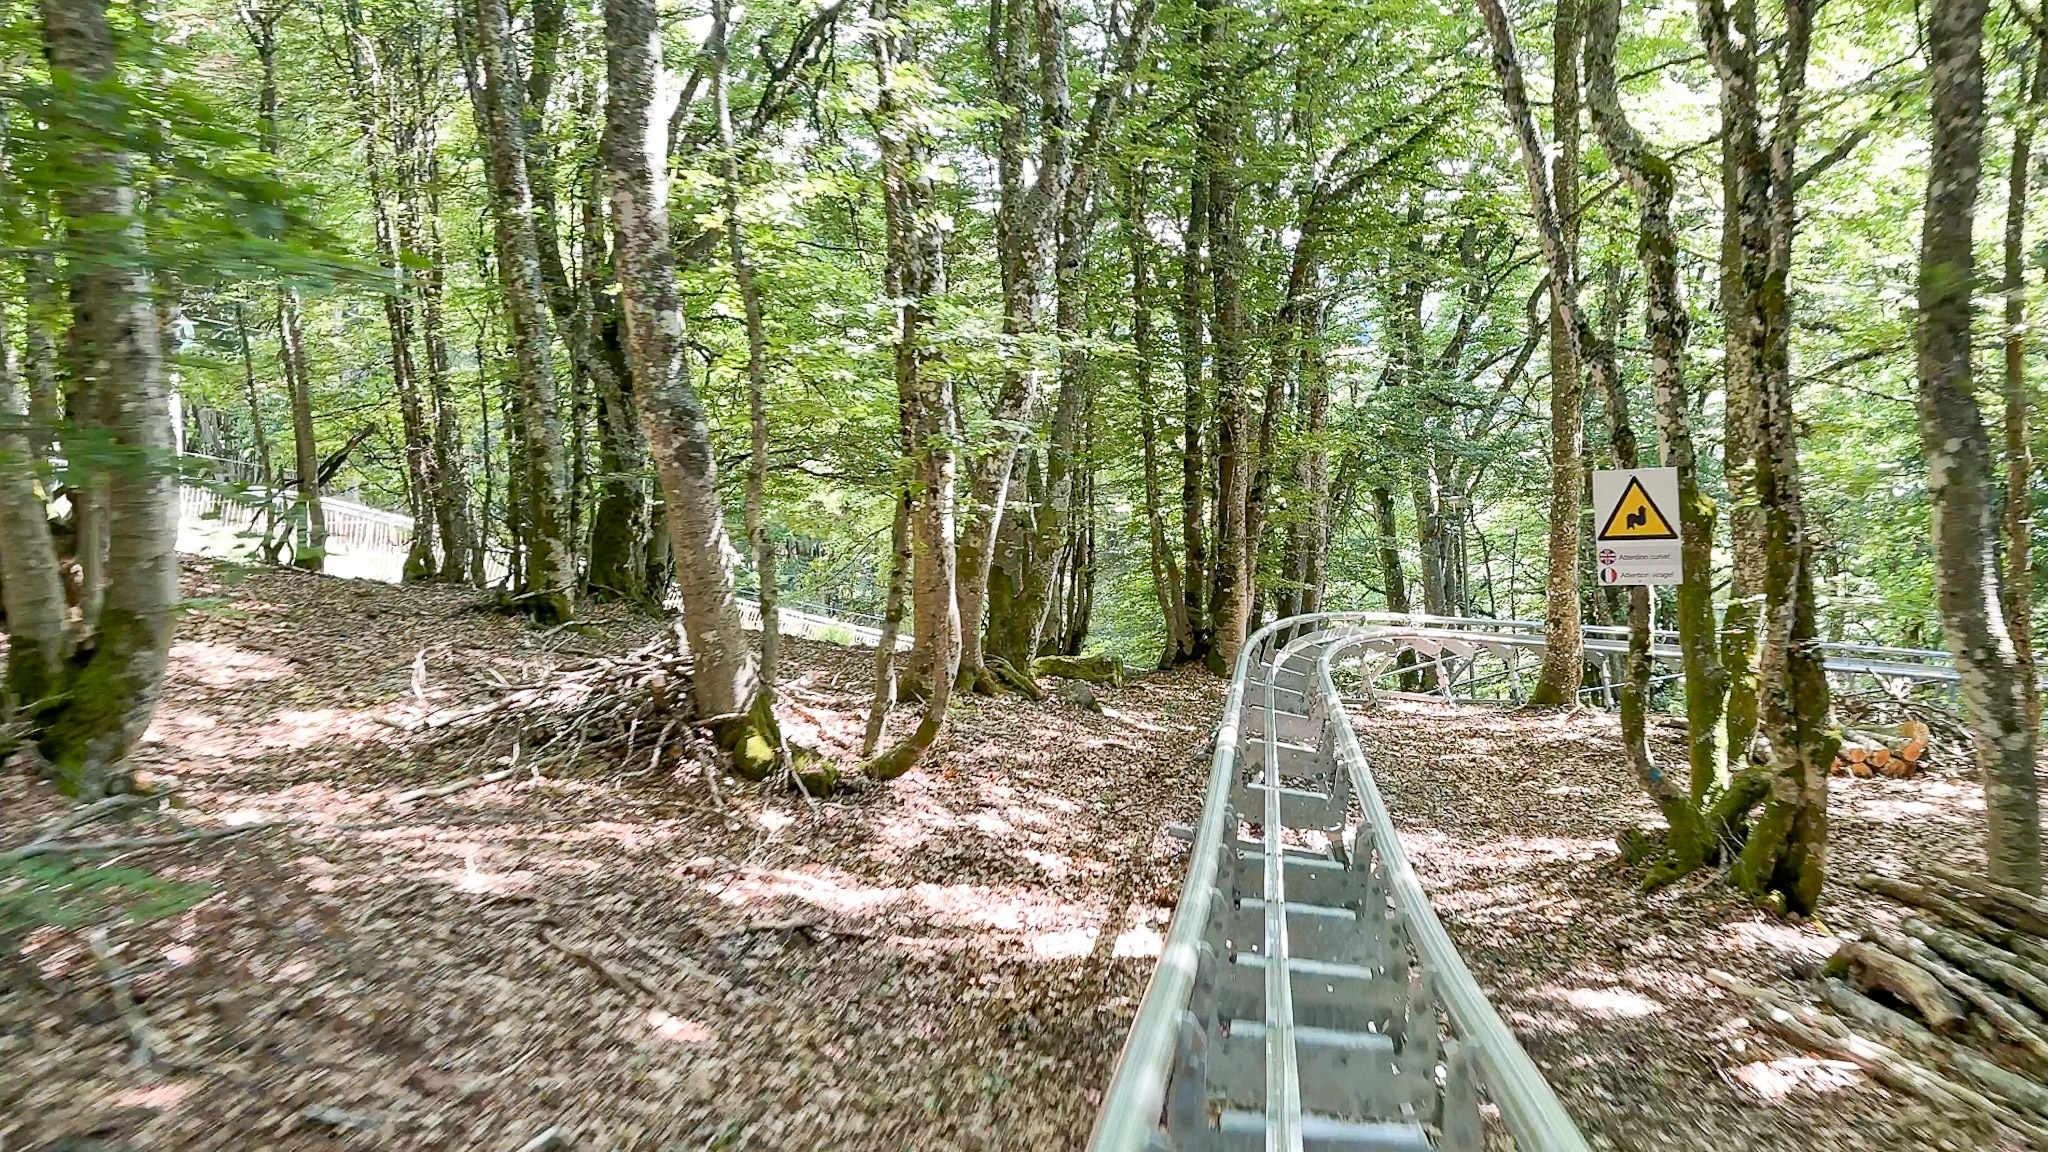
(1635, 523)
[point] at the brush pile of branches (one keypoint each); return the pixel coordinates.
(635, 711)
(1950, 1006)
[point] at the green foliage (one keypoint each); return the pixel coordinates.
(40, 893)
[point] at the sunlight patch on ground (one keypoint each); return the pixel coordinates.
(1603, 1003)
(674, 1029)
(1771, 1081)
(224, 665)
(303, 729)
(156, 1097)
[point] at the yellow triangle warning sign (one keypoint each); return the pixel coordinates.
(1637, 517)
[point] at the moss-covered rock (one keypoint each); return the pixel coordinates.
(1105, 670)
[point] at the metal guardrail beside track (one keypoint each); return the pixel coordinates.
(1306, 997)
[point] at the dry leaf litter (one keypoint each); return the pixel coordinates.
(620, 951)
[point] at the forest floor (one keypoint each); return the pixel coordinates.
(1510, 819)
(639, 961)
(947, 962)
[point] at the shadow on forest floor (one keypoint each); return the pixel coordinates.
(949, 962)
(1510, 818)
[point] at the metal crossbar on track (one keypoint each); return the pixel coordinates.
(1306, 997)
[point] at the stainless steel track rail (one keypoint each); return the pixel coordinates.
(1306, 998)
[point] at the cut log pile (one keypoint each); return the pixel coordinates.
(1951, 1005)
(1888, 733)
(1900, 752)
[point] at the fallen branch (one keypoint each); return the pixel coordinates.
(625, 979)
(437, 791)
(1981, 960)
(54, 831)
(77, 847)
(1817, 1032)
(2024, 912)
(2012, 1020)
(1871, 966)
(148, 1041)
(1919, 896)
(2011, 1087)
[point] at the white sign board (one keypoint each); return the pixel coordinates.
(1635, 526)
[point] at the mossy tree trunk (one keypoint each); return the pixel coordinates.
(111, 686)
(1785, 856)
(916, 276)
(1667, 325)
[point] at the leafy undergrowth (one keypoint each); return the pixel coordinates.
(644, 959)
(1511, 819)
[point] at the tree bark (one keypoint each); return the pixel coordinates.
(486, 29)
(110, 698)
(1563, 650)
(31, 584)
(261, 27)
(1235, 563)
(1667, 325)
(1194, 456)
(256, 429)
(2018, 585)
(757, 347)
(1730, 35)
(725, 678)
(916, 274)
(1959, 455)
(372, 97)
(1786, 853)
(1166, 571)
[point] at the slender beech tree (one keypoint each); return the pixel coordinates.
(1563, 650)
(2018, 584)
(725, 677)
(1959, 463)
(757, 341)
(1667, 325)
(490, 63)
(260, 25)
(107, 690)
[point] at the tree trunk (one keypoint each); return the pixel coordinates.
(1556, 229)
(726, 681)
(451, 495)
(1230, 611)
(256, 429)
(757, 349)
(110, 698)
(1959, 455)
(1730, 35)
(1666, 326)
(2018, 584)
(1194, 457)
(261, 27)
(1166, 572)
(372, 97)
(550, 562)
(916, 274)
(31, 584)
(1786, 853)
(892, 626)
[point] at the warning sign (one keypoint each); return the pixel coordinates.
(1636, 516)
(1636, 512)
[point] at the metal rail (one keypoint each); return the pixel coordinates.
(1306, 996)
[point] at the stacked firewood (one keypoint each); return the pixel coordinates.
(1900, 752)
(1951, 1005)
(1893, 734)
